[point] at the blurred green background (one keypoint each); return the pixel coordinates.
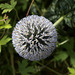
(61, 61)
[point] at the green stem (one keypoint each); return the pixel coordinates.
(17, 14)
(58, 21)
(2, 33)
(66, 63)
(12, 61)
(50, 69)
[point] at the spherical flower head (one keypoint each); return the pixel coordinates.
(34, 37)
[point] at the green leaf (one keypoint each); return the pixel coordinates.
(60, 56)
(71, 70)
(72, 59)
(69, 46)
(1, 22)
(7, 26)
(68, 20)
(59, 8)
(4, 40)
(8, 7)
(24, 4)
(24, 69)
(6, 10)
(13, 3)
(4, 6)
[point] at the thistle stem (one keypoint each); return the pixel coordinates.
(29, 7)
(50, 69)
(12, 61)
(58, 21)
(17, 14)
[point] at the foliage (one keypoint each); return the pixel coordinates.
(23, 4)
(23, 69)
(8, 7)
(4, 41)
(59, 8)
(72, 71)
(4, 22)
(64, 55)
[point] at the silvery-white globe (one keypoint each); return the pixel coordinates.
(34, 37)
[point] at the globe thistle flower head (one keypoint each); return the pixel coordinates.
(34, 37)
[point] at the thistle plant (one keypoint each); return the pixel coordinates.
(34, 37)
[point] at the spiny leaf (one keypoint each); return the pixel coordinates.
(60, 56)
(23, 64)
(24, 69)
(57, 9)
(69, 46)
